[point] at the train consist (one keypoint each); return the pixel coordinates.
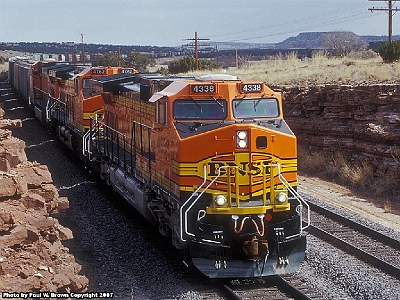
(210, 161)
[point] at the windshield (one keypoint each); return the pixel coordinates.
(192, 109)
(255, 108)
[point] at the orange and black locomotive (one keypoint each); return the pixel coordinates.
(212, 162)
(209, 160)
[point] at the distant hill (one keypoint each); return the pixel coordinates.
(304, 41)
(315, 40)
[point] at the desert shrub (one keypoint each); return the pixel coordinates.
(311, 162)
(362, 54)
(349, 63)
(335, 166)
(188, 63)
(390, 52)
(356, 175)
(162, 71)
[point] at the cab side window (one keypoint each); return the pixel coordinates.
(162, 113)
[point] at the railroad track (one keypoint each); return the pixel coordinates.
(274, 287)
(279, 287)
(357, 239)
(271, 288)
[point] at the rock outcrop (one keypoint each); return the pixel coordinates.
(363, 122)
(32, 257)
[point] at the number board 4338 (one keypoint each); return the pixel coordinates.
(203, 88)
(255, 87)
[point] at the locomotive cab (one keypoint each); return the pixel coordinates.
(233, 158)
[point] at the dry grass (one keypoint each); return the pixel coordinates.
(357, 68)
(387, 206)
(356, 175)
(4, 67)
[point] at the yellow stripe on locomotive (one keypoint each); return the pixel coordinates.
(245, 184)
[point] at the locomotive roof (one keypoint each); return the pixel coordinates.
(122, 77)
(115, 83)
(62, 71)
(80, 71)
(179, 84)
(132, 86)
(47, 65)
(173, 88)
(209, 77)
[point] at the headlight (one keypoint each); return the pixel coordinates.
(242, 134)
(281, 197)
(241, 139)
(220, 200)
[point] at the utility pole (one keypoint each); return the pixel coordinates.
(216, 50)
(119, 56)
(83, 51)
(196, 47)
(236, 57)
(391, 11)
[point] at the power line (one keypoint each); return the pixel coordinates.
(391, 11)
(349, 13)
(328, 17)
(305, 26)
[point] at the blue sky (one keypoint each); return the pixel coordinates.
(169, 22)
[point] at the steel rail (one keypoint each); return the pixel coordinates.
(352, 249)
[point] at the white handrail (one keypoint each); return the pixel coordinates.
(183, 213)
(187, 201)
(298, 197)
(197, 198)
(85, 147)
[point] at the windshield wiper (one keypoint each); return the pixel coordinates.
(198, 105)
(237, 103)
(220, 104)
(256, 104)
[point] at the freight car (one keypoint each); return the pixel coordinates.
(210, 161)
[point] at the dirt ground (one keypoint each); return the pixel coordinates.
(367, 207)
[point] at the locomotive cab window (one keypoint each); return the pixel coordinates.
(200, 109)
(255, 108)
(162, 113)
(76, 85)
(86, 83)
